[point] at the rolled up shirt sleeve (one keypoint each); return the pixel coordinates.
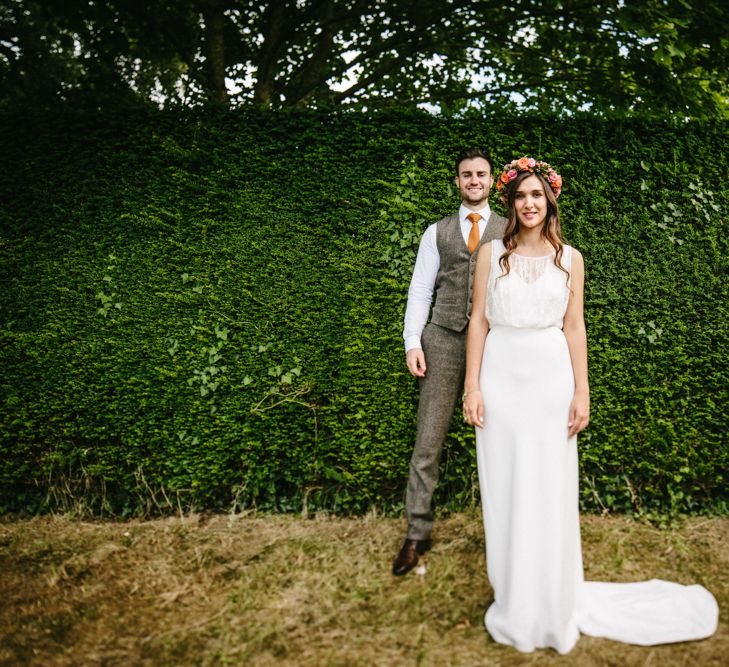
(422, 284)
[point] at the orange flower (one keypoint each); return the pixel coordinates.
(523, 163)
(499, 185)
(505, 177)
(557, 183)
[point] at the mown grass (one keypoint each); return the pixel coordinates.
(281, 590)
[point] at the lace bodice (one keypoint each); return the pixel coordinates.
(533, 295)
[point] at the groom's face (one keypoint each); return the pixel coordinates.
(474, 181)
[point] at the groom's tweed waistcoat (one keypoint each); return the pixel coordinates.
(444, 346)
(453, 283)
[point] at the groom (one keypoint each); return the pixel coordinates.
(436, 351)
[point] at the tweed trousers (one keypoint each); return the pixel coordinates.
(445, 360)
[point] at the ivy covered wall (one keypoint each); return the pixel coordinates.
(205, 310)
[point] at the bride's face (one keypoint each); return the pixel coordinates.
(530, 202)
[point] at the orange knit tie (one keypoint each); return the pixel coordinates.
(474, 237)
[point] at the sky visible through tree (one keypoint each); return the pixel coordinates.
(658, 57)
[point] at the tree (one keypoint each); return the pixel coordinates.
(647, 56)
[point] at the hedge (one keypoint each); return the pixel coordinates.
(204, 309)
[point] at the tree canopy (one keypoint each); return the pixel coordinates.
(606, 56)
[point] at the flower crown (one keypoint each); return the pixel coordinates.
(511, 171)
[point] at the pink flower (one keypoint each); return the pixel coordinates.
(531, 161)
(511, 174)
(552, 176)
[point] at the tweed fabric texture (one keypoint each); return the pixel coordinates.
(452, 306)
(445, 354)
(444, 346)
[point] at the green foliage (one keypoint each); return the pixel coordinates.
(205, 309)
(608, 56)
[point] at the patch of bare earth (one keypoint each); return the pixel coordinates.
(252, 590)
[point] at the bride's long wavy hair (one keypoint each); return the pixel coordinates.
(551, 230)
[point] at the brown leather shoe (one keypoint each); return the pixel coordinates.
(407, 559)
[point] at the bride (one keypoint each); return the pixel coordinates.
(526, 392)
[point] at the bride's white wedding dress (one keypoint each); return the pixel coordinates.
(528, 474)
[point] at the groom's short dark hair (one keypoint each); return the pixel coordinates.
(470, 154)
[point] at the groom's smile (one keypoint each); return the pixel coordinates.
(474, 182)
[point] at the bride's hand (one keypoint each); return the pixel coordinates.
(473, 408)
(579, 414)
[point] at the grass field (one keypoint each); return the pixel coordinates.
(282, 590)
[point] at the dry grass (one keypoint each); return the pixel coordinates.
(251, 590)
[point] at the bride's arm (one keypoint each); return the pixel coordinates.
(478, 327)
(574, 331)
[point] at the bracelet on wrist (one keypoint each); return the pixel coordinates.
(466, 394)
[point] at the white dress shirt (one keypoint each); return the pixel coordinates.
(420, 294)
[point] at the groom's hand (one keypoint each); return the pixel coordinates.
(416, 362)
